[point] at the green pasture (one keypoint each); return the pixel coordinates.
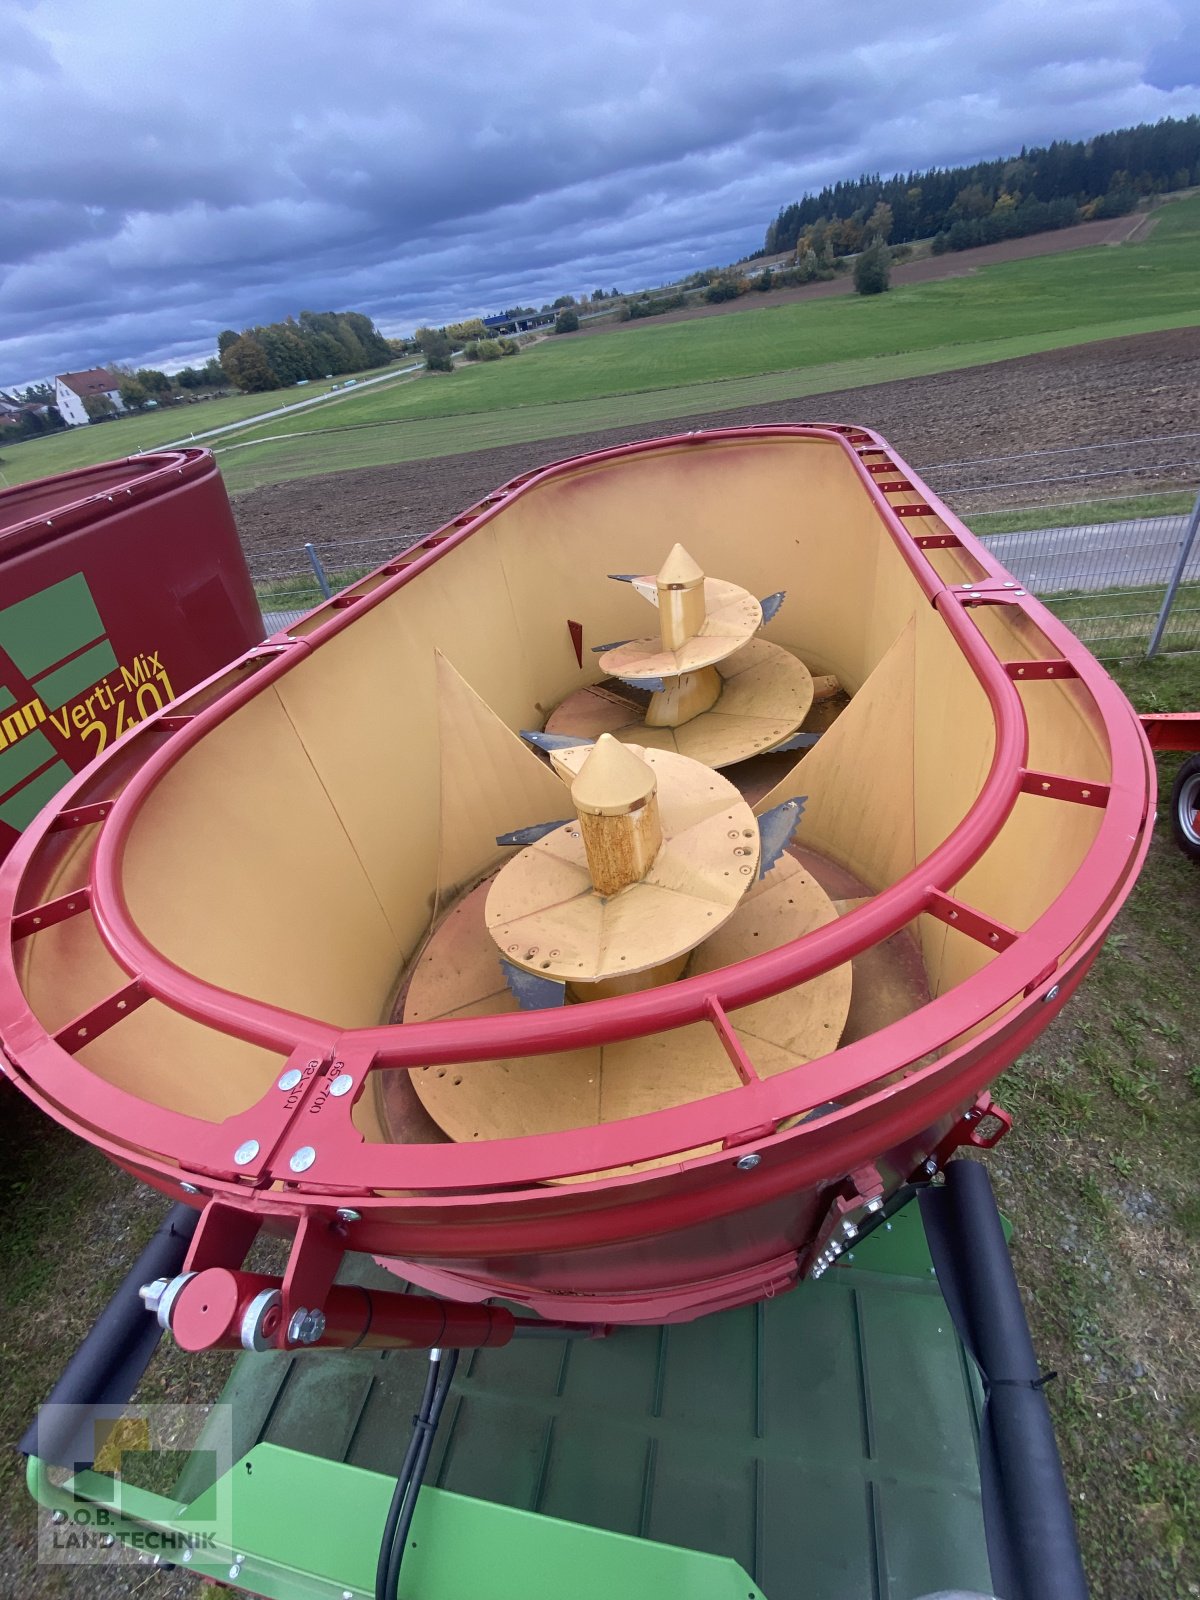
(249, 461)
(146, 430)
(1115, 624)
(771, 352)
(1077, 514)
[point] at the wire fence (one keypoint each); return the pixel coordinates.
(1105, 534)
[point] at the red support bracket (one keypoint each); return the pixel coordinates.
(735, 1141)
(312, 1266)
(936, 541)
(219, 1309)
(982, 1127)
(849, 1205)
(919, 510)
(81, 816)
(1025, 670)
(730, 1042)
(245, 1146)
(52, 911)
(897, 486)
(957, 914)
(1053, 786)
(173, 723)
(223, 1236)
(988, 592)
(575, 629)
(878, 469)
(101, 1017)
(1172, 730)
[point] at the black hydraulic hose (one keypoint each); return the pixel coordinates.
(448, 1363)
(105, 1369)
(402, 1480)
(1031, 1540)
(412, 1473)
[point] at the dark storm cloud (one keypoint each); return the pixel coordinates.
(167, 173)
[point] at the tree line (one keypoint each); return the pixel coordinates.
(1039, 189)
(147, 386)
(317, 344)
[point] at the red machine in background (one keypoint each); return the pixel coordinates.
(1180, 730)
(121, 585)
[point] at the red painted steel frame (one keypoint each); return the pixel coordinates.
(1172, 730)
(480, 1219)
(154, 539)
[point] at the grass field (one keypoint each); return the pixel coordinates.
(1101, 1177)
(638, 374)
(145, 430)
(1075, 515)
(1114, 622)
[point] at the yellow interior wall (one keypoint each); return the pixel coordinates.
(240, 870)
(167, 1059)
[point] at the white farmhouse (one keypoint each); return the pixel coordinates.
(72, 388)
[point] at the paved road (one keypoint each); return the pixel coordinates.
(282, 411)
(1098, 555)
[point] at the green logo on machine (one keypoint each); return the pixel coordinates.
(57, 645)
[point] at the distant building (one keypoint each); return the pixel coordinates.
(522, 323)
(15, 413)
(71, 389)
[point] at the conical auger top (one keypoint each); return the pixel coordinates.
(702, 620)
(661, 854)
(716, 692)
(681, 605)
(616, 800)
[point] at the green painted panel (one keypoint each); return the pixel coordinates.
(21, 809)
(704, 1496)
(7, 698)
(319, 1406)
(22, 758)
(817, 1539)
(598, 1475)
(56, 688)
(812, 1400)
(917, 1564)
(49, 625)
(921, 1411)
(308, 1529)
(695, 1353)
(458, 1546)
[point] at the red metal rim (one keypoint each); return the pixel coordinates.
(1023, 972)
(148, 475)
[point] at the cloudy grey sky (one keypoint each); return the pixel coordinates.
(167, 171)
